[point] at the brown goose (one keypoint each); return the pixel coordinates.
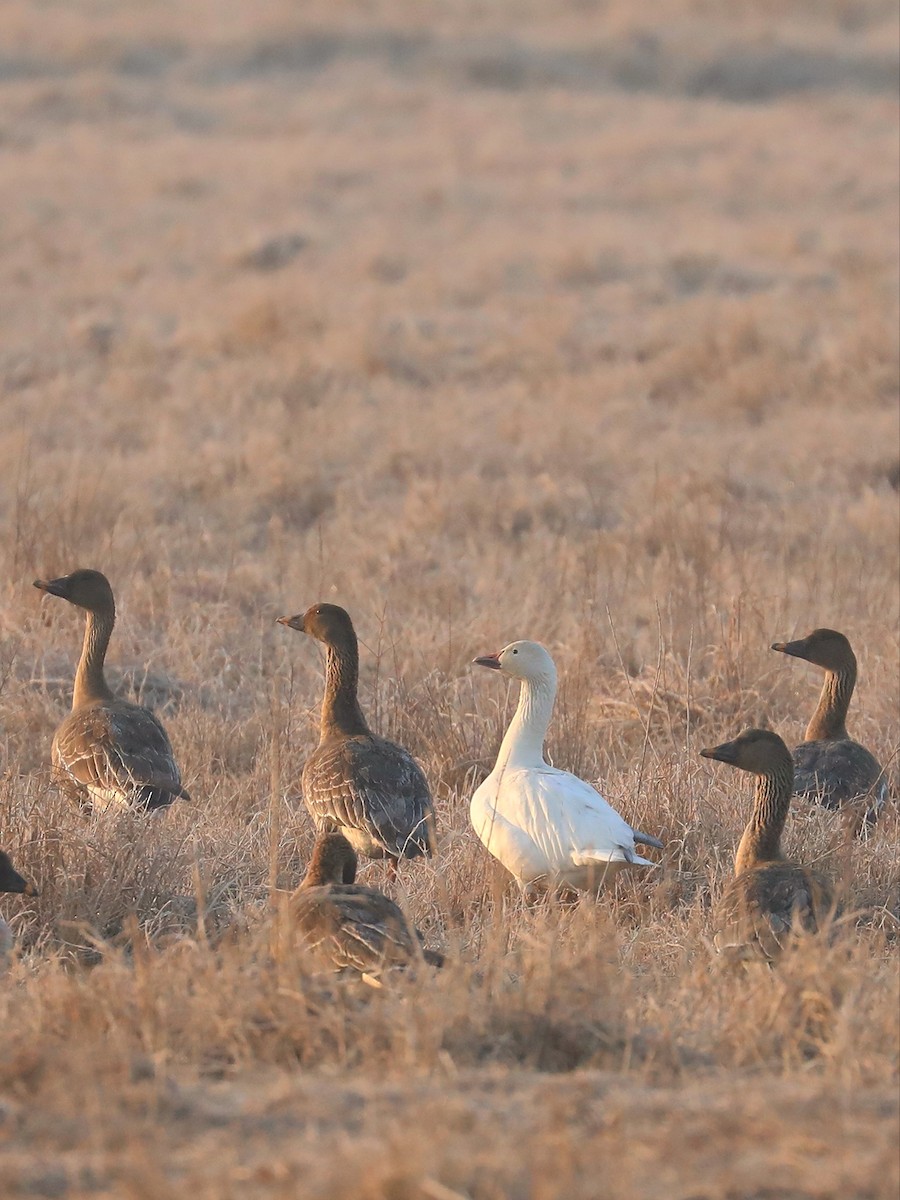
(107, 751)
(769, 896)
(10, 881)
(829, 767)
(358, 784)
(348, 925)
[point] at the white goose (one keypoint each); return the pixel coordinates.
(547, 827)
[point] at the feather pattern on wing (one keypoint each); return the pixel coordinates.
(116, 750)
(764, 905)
(356, 927)
(839, 772)
(373, 788)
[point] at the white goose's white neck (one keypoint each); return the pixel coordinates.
(523, 743)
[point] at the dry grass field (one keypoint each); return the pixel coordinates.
(573, 320)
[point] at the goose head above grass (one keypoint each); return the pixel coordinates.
(85, 589)
(328, 623)
(522, 660)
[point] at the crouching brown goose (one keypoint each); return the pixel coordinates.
(769, 897)
(108, 751)
(363, 786)
(548, 828)
(350, 926)
(829, 766)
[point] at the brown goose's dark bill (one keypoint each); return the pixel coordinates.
(53, 587)
(725, 753)
(795, 649)
(291, 622)
(488, 660)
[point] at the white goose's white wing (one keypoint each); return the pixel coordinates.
(541, 821)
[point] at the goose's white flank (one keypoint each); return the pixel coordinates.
(548, 828)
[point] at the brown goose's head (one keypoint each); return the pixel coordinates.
(825, 648)
(759, 751)
(333, 860)
(11, 880)
(85, 589)
(326, 622)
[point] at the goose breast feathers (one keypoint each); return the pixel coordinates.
(763, 906)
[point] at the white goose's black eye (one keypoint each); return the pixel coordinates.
(515, 652)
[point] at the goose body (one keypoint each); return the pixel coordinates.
(350, 926)
(363, 786)
(830, 768)
(770, 897)
(547, 827)
(108, 751)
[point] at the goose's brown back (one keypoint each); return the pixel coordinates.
(374, 792)
(113, 752)
(348, 925)
(840, 774)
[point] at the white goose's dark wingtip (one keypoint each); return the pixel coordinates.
(647, 839)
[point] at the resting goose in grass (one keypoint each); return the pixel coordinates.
(108, 751)
(354, 783)
(829, 767)
(547, 827)
(769, 897)
(348, 925)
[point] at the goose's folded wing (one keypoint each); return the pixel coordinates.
(372, 785)
(838, 772)
(565, 815)
(358, 927)
(118, 747)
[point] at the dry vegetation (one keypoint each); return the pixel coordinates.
(570, 321)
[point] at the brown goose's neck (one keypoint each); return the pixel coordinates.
(340, 708)
(333, 861)
(761, 841)
(830, 718)
(90, 683)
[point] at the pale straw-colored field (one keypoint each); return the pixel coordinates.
(566, 321)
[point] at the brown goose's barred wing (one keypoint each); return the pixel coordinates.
(115, 751)
(764, 905)
(371, 786)
(356, 927)
(838, 772)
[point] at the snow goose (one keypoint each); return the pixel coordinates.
(108, 751)
(355, 783)
(829, 767)
(547, 827)
(769, 896)
(348, 925)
